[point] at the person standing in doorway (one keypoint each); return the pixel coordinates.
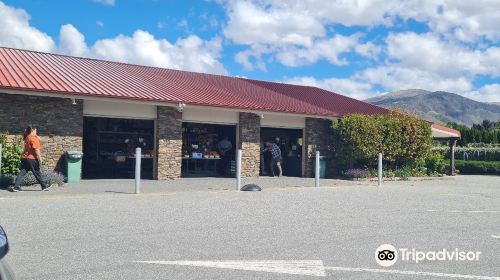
(275, 158)
(224, 147)
(262, 159)
(30, 160)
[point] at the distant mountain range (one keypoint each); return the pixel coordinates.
(439, 106)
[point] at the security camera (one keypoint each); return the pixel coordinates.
(181, 107)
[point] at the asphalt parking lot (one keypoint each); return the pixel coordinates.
(289, 231)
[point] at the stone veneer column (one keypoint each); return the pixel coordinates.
(59, 123)
(317, 138)
(169, 143)
(249, 143)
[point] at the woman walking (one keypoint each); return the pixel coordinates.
(30, 160)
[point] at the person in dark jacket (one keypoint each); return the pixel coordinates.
(275, 158)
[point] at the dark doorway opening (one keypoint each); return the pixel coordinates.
(290, 142)
(208, 150)
(109, 148)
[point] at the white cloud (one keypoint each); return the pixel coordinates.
(16, 32)
(106, 2)
(432, 62)
(368, 50)
(428, 52)
(350, 87)
(395, 77)
(466, 20)
(487, 93)
(295, 31)
(250, 24)
(243, 58)
(291, 28)
(329, 49)
(191, 53)
(99, 23)
(72, 42)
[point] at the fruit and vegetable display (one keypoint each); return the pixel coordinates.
(199, 143)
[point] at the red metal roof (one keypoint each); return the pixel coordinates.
(451, 131)
(333, 102)
(59, 74)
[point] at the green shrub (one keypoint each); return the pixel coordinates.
(388, 173)
(403, 173)
(404, 140)
(11, 157)
(478, 167)
(435, 163)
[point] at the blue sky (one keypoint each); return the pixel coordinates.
(358, 48)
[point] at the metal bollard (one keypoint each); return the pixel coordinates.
(379, 170)
(238, 170)
(317, 170)
(137, 170)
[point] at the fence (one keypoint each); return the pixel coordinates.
(472, 153)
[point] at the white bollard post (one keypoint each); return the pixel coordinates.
(238, 170)
(316, 170)
(0, 159)
(137, 170)
(379, 169)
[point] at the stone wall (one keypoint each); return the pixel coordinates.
(169, 143)
(249, 143)
(58, 122)
(317, 138)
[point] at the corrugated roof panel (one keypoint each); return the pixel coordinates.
(330, 101)
(20, 69)
(52, 81)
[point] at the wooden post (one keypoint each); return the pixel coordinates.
(452, 143)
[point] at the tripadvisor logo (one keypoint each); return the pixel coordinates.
(387, 255)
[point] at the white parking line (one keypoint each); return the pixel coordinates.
(409, 272)
(495, 236)
(296, 267)
(465, 211)
(307, 267)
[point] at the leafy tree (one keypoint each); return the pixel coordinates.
(404, 140)
(486, 132)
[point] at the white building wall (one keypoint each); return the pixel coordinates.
(282, 121)
(206, 115)
(97, 108)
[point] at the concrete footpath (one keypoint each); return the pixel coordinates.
(127, 186)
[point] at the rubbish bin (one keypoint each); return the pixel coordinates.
(322, 166)
(74, 166)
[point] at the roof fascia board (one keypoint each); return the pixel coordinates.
(451, 135)
(164, 104)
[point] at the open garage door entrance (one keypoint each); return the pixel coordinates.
(290, 142)
(208, 150)
(109, 147)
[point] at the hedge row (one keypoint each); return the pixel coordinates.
(478, 167)
(404, 140)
